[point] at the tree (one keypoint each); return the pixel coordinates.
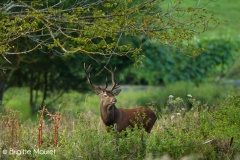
(98, 28)
(47, 75)
(162, 66)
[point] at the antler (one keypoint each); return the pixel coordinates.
(89, 79)
(115, 85)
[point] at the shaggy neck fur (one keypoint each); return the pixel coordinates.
(109, 113)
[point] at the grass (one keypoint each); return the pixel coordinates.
(197, 134)
(18, 99)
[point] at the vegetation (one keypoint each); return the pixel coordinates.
(75, 102)
(48, 74)
(162, 66)
(227, 30)
(196, 117)
(53, 76)
(204, 132)
(97, 28)
(103, 31)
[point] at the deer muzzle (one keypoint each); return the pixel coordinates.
(114, 100)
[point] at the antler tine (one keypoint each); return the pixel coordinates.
(118, 84)
(89, 79)
(115, 85)
(88, 67)
(106, 84)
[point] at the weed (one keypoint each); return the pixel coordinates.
(10, 121)
(53, 117)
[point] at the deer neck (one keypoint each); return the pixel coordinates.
(109, 113)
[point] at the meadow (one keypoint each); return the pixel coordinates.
(208, 129)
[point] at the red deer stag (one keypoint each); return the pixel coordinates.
(110, 114)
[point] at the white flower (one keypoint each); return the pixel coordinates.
(178, 99)
(171, 96)
(189, 95)
(178, 114)
(172, 117)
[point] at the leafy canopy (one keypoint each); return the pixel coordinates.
(101, 27)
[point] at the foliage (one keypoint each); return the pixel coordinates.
(47, 74)
(97, 28)
(53, 29)
(162, 66)
(200, 132)
(227, 114)
(186, 131)
(229, 29)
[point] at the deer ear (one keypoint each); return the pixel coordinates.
(116, 92)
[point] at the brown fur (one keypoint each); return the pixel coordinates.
(110, 114)
(140, 116)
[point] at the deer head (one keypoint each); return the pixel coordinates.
(107, 96)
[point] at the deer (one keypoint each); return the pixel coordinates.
(141, 116)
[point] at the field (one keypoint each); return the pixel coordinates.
(204, 132)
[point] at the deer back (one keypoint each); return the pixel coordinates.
(140, 116)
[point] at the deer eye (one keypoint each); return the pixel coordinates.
(105, 95)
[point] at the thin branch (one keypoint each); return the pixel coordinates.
(27, 51)
(3, 55)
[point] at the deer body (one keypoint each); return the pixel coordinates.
(110, 114)
(127, 118)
